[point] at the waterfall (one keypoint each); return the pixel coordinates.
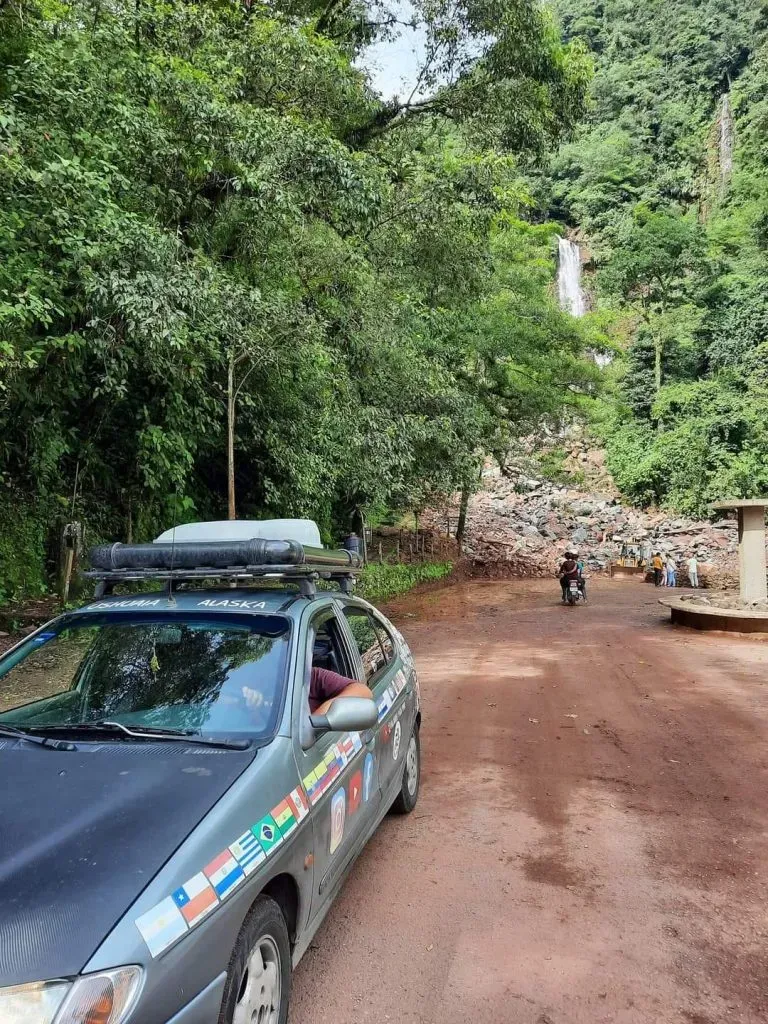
(569, 278)
(569, 291)
(726, 139)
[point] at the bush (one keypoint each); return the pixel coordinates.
(22, 550)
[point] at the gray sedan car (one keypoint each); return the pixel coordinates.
(176, 823)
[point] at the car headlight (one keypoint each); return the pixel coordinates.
(103, 998)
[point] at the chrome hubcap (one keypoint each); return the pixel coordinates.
(412, 766)
(258, 1001)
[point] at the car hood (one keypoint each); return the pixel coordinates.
(82, 833)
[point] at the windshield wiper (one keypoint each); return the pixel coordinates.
(41, 741)
(150, 733)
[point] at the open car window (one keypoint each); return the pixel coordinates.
(366, 640)
(214, 676)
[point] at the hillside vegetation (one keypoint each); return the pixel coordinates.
(220, 250)
(668, 182)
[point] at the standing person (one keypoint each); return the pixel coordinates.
(671, 570)
(658, 567)
(352, 543)
(693, 570)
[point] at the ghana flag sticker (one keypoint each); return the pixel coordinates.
(267, 832)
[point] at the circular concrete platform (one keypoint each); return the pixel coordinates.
(733, 620)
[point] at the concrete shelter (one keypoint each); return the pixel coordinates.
(751, 513)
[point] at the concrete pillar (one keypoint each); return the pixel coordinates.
(752, 553)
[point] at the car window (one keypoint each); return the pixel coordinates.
(366, 639)
(385, 639)
(327, 651)
(210, 676)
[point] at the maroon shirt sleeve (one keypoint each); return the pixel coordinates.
(323, 685)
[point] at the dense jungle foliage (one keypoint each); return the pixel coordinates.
(209, 221)
(668, 184)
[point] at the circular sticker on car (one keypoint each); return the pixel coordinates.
(396, 741)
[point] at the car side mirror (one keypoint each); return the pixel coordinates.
(347, 714)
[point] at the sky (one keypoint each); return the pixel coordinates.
(393, 64)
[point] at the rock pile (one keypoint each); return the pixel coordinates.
(527, 521)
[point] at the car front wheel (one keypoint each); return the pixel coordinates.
(409, 791)
(259, 975)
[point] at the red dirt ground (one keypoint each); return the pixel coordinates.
(591, 841)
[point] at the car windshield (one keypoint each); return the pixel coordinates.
(170, 672)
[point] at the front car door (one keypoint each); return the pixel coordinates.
(332, 767)
(392, 691)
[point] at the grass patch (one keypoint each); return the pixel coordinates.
(380, 582)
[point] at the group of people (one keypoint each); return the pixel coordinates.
(572, 568)
(665, 570)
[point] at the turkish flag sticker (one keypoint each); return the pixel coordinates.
(355, 792)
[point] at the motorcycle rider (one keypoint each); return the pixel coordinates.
(582, 579)
(569, 570)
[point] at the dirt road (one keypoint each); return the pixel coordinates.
(591, 842)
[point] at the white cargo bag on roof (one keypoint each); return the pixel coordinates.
(305, 531)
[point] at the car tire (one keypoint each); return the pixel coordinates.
(409, 790)
(258, 986)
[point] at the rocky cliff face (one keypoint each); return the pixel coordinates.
(520, 523)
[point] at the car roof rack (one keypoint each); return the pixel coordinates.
(240, 560)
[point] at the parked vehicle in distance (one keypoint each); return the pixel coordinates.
(176, 822)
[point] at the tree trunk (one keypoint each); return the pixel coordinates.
(231, 437)
(461, 524)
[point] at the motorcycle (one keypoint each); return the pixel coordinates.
(573, 592)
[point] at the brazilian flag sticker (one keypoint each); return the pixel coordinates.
(267, 832)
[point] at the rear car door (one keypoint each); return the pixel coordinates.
(332, 767)
(391, 691)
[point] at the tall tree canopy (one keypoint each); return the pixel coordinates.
(208, 220)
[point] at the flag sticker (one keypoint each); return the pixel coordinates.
(224, 874)
(299, 803)
(338, 812)
(332, 768)
(247, 852)
(368, 771)
(284, 817)
(195, 899)
(161, 926)
(267, 832)
(357, 743)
